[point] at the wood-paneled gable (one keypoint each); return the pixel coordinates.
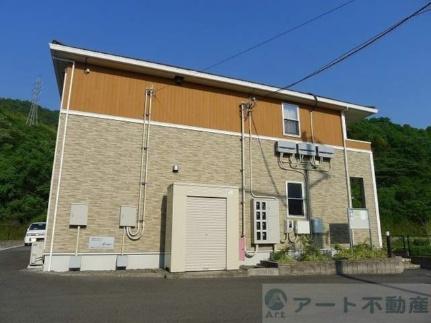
(121, 93)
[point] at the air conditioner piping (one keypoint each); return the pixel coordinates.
(143, 176)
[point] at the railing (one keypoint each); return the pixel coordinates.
(409, 246)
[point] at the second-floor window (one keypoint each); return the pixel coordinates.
(290, 119)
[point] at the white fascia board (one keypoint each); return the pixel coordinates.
(70, 52)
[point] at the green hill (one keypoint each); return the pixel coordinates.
(402, 161)
(402, 156)
(26, 155)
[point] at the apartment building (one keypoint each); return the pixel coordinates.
(158, 166)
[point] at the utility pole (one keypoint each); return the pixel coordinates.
(32, 114)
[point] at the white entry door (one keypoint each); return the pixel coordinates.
(206, 226)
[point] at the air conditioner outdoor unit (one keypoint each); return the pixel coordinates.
(286, 147)
(306, 149)
(325, 151)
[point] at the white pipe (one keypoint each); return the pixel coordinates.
(250, 116)
(256, 248)
(143, 150)
(243, 176)
(122, 241)
(346, 171)
(376, 200)
(77, 240)
(55, 159)
(138, 234)
(61, 164)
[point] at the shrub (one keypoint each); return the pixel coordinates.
(282, 256)
(359, 252)
(310, 252)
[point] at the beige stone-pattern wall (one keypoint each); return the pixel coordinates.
(360, 166)
(101, 168)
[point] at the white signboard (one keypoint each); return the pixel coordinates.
(101, 243)
(359, 219)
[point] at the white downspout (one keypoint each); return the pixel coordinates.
(346, 170)
(55, 160)
(376, 200)
(61, 164)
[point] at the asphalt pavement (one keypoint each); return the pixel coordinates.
(27, 296)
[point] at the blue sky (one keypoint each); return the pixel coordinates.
(394, 74)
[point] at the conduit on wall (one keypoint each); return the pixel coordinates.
(143, 172)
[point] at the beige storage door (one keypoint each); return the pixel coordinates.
(205, 233)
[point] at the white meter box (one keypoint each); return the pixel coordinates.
(128, 216)
(266, 221)
(78, 214)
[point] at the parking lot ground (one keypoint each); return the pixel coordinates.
(27, 296)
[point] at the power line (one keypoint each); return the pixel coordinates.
(266, 41)
(355, 49)
(276, 36)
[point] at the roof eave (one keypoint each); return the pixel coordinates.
(64, 52)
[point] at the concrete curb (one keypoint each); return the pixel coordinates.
(343, 267)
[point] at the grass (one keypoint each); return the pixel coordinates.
(12, 232)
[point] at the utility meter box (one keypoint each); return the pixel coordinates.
(289, 226)
(122, 261)
(317, 226)
(36, 254)
(78, 214)
(75, 263)
(266, 221)
(128, 216)
(302, 227)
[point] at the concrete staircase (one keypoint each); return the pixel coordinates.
(407, 263)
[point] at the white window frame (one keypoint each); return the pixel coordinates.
(299, 119)
(303, 201)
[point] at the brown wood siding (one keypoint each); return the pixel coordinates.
(120, 93)
(350, 143)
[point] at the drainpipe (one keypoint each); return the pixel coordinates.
(243, 235)
(57, 195)
(55, 160)
(243, 232)
(346, 171)
(316, 101)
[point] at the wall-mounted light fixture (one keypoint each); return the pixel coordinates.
(179, 80)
